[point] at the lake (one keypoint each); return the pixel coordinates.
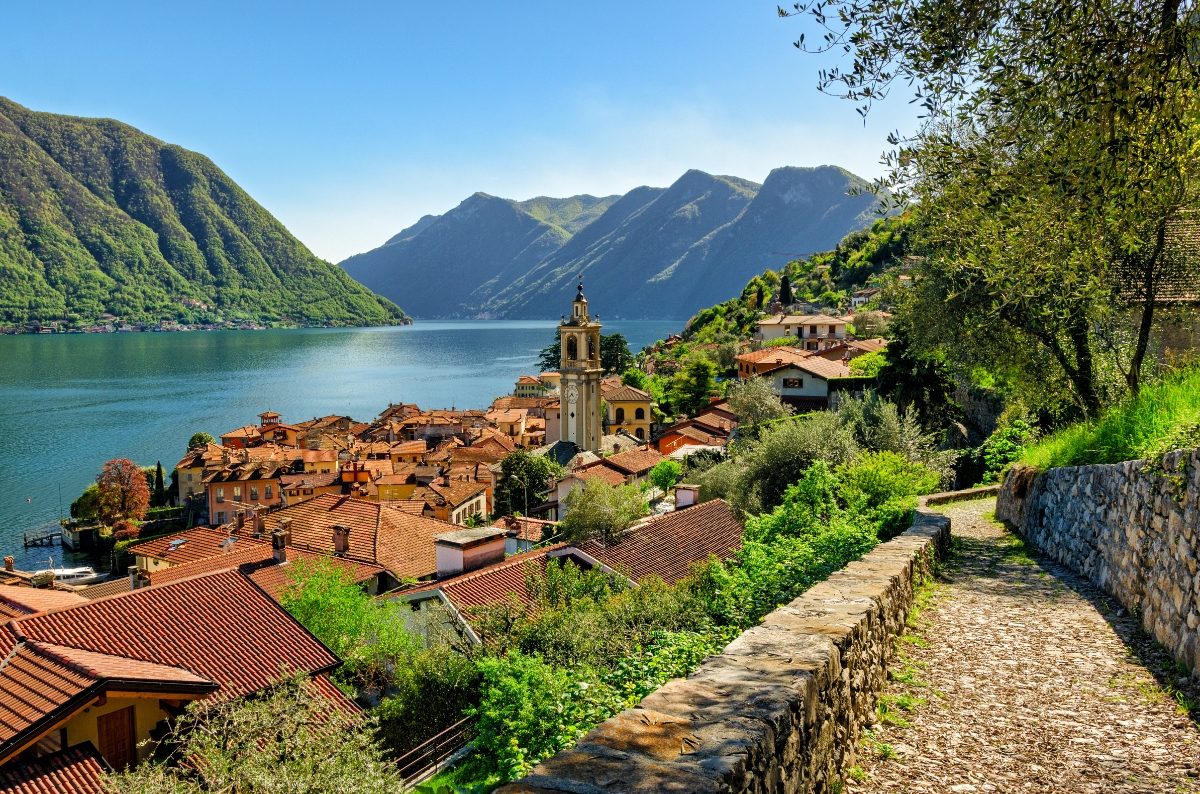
(70, 402)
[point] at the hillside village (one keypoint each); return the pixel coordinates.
(404, 507)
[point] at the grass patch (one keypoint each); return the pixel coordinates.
(1164, 415)
(1017, 551)
(857, 774)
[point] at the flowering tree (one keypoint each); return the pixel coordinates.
(123, 490)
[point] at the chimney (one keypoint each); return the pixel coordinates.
(686, 495)
(341, 538)
(239, 522)
(281, 538)
(468, 549)
(260, 523)
(138, 578)
(8, 563)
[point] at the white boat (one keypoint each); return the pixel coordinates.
(83, 575)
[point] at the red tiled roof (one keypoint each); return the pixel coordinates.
(410, 447)
(199, 543)
(75, 770)
(399, 541)
(245, 431)
(21, 601)
(111, 587)
(623, 393)
(492, 583)
(216, 632)
(815, 365)
(667, 546)
(783, 353)
(322, 480)
(635, 461)
(599, 471)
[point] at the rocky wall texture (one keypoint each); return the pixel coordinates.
(1133, 532)
(781, 709)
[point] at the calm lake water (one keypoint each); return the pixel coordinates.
(70, 402)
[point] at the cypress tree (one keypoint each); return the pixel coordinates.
(785, 291)
(160, 492)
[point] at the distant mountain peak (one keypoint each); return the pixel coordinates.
(652, 253)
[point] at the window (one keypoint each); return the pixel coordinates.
(237, 492)
(793, 383)
(640, 413)
(189, 476)
(639, 432)
(812, 330)
(269, 491)
(221, 518)
(220, 495)
(253, 493)
(572, 348)
(620, 415)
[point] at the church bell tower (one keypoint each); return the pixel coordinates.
(579, 366)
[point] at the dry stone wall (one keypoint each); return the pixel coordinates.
(1132, 532)
(781, 709)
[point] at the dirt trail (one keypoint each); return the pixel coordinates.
(1018, 676)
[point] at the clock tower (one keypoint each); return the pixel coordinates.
(579, 366)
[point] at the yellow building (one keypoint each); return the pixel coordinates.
(629, 410)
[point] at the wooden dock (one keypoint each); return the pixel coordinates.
(42, 540)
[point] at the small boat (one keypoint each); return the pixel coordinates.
(83, 575)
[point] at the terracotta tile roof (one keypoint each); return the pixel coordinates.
(528, 403)
(324, 480)
(599, 471)
(417, 447)
(801, 319)
(821, 367)
(412, 506)
(781, 354)
(667, 546)
(491, 583)
(456, 493)
(245, 431)
(694, 433)
(317, 455)
(507, 415)
(626, 393)
(712, 423)
(216, 632)
(111, 587)
(75, 770)
(400, 542)
(20, 601)
(634, 461)
(529, 380)
(197, 543)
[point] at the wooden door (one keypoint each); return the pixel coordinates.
(115, 731)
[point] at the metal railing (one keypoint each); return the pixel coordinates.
(431, 755)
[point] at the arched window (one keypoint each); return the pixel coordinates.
(591, 348)
(572, 348)
(639, 432)
(639, 413)
(620, 416)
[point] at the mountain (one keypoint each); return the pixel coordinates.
(97, 217)
(448, 264)
(652, 253)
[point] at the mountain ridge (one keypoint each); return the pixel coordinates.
(650, 253)
(99, 218)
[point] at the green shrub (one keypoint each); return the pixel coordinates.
(1135, 429)
(1002, 447)
(875, 478)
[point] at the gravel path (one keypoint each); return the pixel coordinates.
(1018, 676)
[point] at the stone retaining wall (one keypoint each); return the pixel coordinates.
(781, 709)
(1133, 534)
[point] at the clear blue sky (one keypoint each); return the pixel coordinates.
(350, 120)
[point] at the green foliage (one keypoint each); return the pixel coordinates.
(692, 386)
(665, 474)
(524, 481)
(868, 365)
(200, 439)
(87, 506)
(917, 380)
(1006, 444)
(754, 401)
(614, 354)
(159, 497)
(600, 510)
(285, 739)
(369, 635)
(101, 218)
(432, 688)
(1161, 414)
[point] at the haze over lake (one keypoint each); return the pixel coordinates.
(70, 402)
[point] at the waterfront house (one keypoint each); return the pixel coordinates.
(241, 485)
(756, 362)
(529, 386)
(805, 384)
